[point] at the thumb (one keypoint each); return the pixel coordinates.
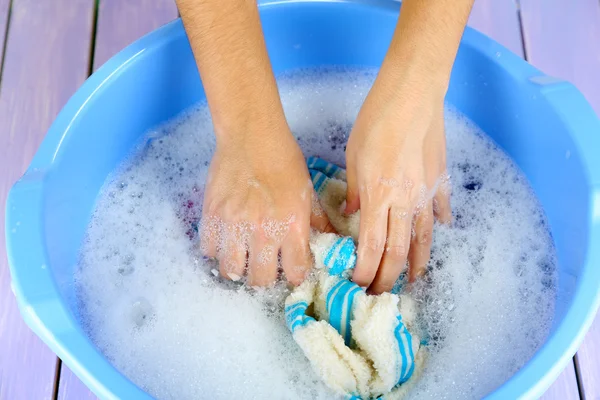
(352, 197)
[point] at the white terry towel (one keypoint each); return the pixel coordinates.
(360, 345)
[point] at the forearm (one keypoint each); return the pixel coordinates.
(228, 45)
(426, 41)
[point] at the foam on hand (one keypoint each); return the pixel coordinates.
(153, 305)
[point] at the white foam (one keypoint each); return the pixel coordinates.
(151, 304)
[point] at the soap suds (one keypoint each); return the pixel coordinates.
(152, 304)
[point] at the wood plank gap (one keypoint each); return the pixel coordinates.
(578, 377)
(521, 30)
(57, 370)
(6, 31)
(93, 40)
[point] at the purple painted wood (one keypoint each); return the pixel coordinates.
(71, 387)
(563, 39)
(4, 11)
(565, 386)
(588, 360)
(46, 60)
(119, 24)
(499, 20)
(122, 22)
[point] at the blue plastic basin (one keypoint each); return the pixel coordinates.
(544, 124)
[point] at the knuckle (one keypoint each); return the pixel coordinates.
(425, 237)
(265, 256)
(396, 251)
(299, 248)
(371, 246)
(400, 214)
(297, 229)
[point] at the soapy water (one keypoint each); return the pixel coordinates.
(155, 307)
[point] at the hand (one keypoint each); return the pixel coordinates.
(257, 204)
(396, 168)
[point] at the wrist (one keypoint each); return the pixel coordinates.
(249, 119)
(252, 129)
(413, 73)
(416, 76)
(426, 41)
(407, 91)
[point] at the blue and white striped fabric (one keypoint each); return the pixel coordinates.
(340, 341)
(322, 171)
(405, 349)
(341, 256)
(340, 300)
(295, 316)
(340, 297)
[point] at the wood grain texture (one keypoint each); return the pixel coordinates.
(499, 19)
(122, 22)
(71, 387)
(46, 60)
(588, 360)
(4, 11)
(562, 38)
(119, 24)
(565, 386)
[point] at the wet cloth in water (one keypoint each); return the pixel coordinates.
(362, 346)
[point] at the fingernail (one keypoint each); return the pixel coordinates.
(234, 277)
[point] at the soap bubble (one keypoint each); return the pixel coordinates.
(485, 305)
(141, 312)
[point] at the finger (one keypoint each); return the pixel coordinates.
(295, 254)
(371, 240)
(232, 262)
(441, 201)
(262, 261)
(318, 217)
(210, 230)
(352, 193)
(395, 253)
(420, 246)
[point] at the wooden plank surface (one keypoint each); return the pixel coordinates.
(119, 24)
(565, 386)
(588, 361)
(4, 11)
(562, 38)
(71, 387)
(46, 60)
(122, 22)
(499, 19)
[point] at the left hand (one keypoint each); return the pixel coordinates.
(396, 168)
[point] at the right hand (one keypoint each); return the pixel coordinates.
(257, 205)
(396, 167)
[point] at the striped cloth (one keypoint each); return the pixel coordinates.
(359, 344)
